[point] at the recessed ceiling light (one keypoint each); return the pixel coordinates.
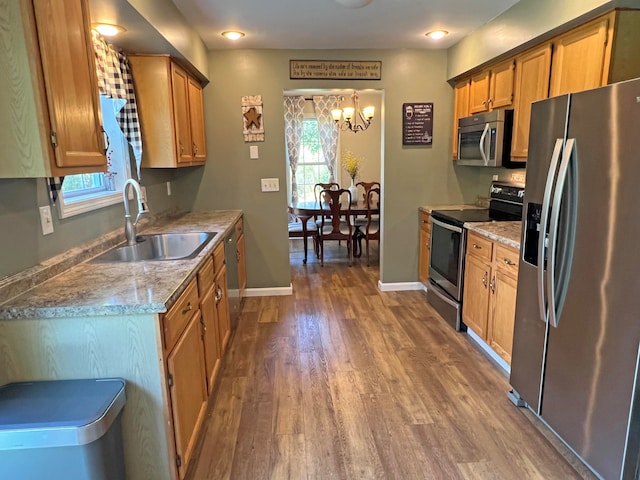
(437, 34)
(353, 3)
(108, 29)
(232, 35)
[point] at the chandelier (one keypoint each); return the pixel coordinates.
(355, 119)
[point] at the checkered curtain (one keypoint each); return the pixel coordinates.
(115, 81)
(293, 118)
(328, 130)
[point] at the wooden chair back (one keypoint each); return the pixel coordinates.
(338, 214)
(318, 187)
(373, 219)
(368, 186)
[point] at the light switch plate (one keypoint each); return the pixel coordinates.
(253, 152)
(270, 184)
(45, 220)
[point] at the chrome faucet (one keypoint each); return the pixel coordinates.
(129, 225)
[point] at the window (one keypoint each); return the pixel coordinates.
(312, 168)
(90, 191)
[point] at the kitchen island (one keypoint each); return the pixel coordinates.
(96, 320)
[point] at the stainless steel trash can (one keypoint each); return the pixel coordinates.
(62, 429)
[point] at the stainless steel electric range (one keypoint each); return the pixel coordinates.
(448, 247)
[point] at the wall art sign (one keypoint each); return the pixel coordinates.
(417, 123)
(252, 121)
(335, 69)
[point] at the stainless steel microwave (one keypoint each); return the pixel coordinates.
(484, 140)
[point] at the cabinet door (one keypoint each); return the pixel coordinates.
(210, 337)
(460, 110)
(196, 122)
(475, 308)
(242, 268)
(579, 59)
(71, 85)
(188, 392)
(425, 246)
(501, 91)
(180, 90)
(222, 308)
(503, 314)
(532, 84)
(479, 93)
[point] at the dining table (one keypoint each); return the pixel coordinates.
(305, 210)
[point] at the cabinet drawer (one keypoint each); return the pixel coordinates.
(205, 277)
(218, 257)
(239, 227)
(479, 246)
(425, 222)
(176, 319)
(506, 259)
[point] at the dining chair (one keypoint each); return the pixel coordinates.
(336, 224)
(367, 186)
(296, 231)
(360, 222)
(372, 228)
(318, 187)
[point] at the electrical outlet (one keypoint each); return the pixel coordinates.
(253, 152)
(46, 221)
(168, 189)
(495, 178)
(270, 184)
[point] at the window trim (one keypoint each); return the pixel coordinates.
(84, 204)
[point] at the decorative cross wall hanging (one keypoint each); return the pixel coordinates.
(253, 124)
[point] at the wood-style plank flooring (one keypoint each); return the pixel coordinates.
(342, 381)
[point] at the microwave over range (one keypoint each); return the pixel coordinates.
(484, 140)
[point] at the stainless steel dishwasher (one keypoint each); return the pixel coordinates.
(231, 259)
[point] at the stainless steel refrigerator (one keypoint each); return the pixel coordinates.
(577, 330)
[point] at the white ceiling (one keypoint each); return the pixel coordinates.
(325, 24)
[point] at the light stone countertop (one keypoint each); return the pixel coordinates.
(430, 208)
(507, 233)
(92, 289)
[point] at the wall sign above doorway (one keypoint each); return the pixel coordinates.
(335, 70)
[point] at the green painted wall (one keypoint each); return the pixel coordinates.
(412, 176)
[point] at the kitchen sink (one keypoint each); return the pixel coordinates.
(160, 246)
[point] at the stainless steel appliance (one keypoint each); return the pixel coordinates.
(577, 329)
(448, 243)
(484, 140)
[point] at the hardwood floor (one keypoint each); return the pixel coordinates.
(342, 381)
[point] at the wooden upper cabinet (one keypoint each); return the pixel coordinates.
(579, 58)
(501, 85)
(171, 112)
(479, 92)
(532, 84)
(47, 69)
(196, 121)
(180, 89)
(461, 92)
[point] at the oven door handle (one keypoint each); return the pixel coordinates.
(453, 228)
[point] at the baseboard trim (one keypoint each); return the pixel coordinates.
(399, 286)
(269, 292)
(488, 350)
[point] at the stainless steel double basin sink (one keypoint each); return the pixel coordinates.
(161, 246)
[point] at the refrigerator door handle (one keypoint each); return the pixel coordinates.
(544, 220)
(553, 230)
(482, 146)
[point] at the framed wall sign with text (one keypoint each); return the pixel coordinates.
(417, 123)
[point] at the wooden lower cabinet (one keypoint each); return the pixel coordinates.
(475, 308)
(425, 247)
(185, 366)
(490, 286)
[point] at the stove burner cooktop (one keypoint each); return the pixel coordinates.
(459, 217)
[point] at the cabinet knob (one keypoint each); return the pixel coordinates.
(195, 148)
(509, 262)
(484, 279)
(475, 245)
(181, 148)
(188, 308)
(492, 285)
